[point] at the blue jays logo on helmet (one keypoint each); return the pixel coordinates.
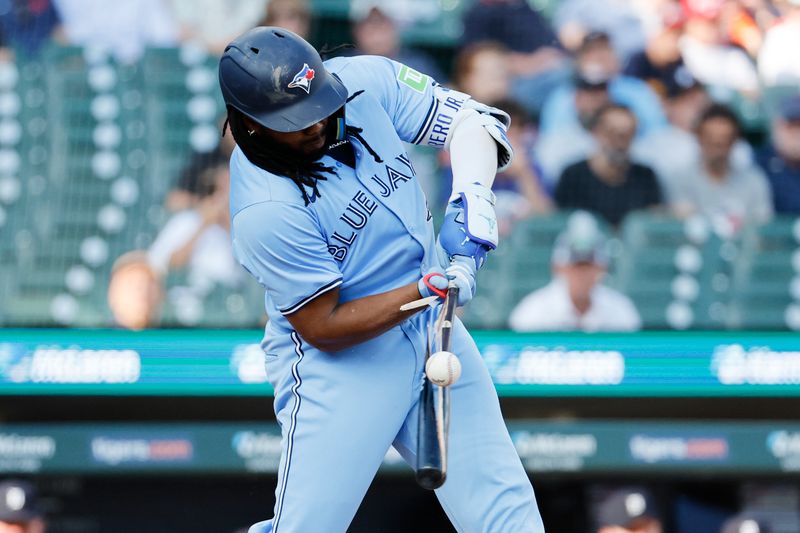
(303, 78)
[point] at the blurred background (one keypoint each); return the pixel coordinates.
(639, 318)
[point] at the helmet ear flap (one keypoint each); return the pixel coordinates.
(336, 126)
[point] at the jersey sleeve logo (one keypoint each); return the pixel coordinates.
(413, 78)
(303, 78)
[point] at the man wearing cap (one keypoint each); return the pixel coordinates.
(744, 523)
(596, 57)
(535, 58)
(559, 148)
(781, 159)
(19, 512)
(684, 100)
(376, 30)
(574, 19)
(628, 510)
(657, 62)
(575, 300)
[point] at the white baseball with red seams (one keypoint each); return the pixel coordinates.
(443, 368)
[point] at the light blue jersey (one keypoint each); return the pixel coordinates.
(368, 231)
(338, 240)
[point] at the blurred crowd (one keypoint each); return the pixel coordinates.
(616, 105)
(636, 104)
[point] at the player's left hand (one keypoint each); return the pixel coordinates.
(462, 272)
(469, 228)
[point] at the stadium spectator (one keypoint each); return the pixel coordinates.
(189, 186)
(575, 300)
(609, 183)
(742, 23)
(135, 292)
(122, 29)
(628, 510)
(777, 60)
(572, 142)
(19, 509)
(195, 240)
(684, 101)
(575, 19)
(536, 61)
(596, 58)
(213, 23)
(404, 13)
(294, 15)
(27, 26)
(708, 53)
(520, 189)
(198, 239)
(521, 185)
(482, 71)
(728, 195)
(661, 58)
(376, 30)
(781, 159)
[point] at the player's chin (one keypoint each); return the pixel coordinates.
(314, 151)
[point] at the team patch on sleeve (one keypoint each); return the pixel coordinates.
(414, 79)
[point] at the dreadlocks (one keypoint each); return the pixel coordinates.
(266, 154)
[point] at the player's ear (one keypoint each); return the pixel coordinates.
(252, 125)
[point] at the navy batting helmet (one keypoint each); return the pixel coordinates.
(277, 79)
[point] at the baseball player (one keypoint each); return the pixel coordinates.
(328, 214)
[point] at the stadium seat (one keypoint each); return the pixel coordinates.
(758, 306)
(491, 305)
(538, 230)
(764, 274)
(530, 247)
(519, 266)
(782, 233)
(219, 307)
(666, 267)
(486, 312)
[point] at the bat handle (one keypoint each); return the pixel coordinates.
(430, 478)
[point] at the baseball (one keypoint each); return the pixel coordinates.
(443, 368)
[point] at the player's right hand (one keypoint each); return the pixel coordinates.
(461, 271)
